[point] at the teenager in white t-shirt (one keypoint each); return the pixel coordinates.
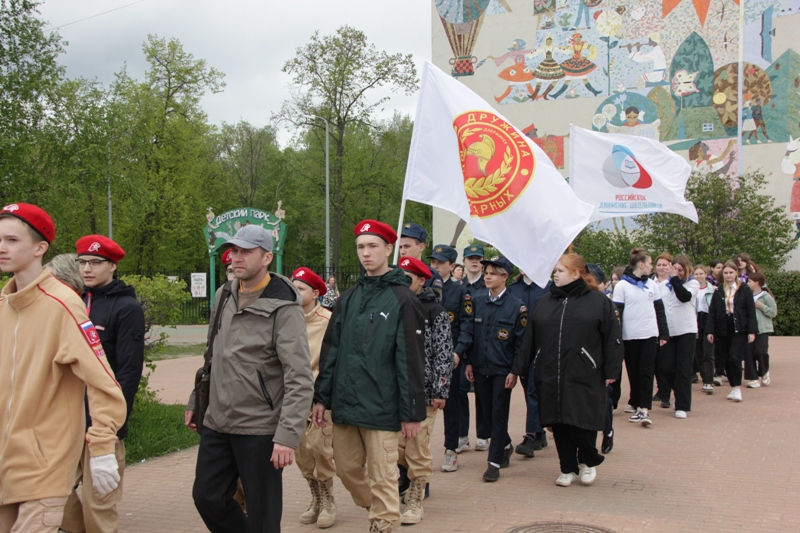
(704, 350)
(676, 357)
(644, 327)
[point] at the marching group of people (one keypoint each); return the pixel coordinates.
(352, 392)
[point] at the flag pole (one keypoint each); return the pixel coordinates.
(399, 230)
(571, 152)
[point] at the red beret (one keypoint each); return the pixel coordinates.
(415, 266)
(374, 227)
(226, 257)
(101, 247)
(306, 275)
(35, 217)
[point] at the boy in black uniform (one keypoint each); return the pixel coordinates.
(498, 328)
(473, 283)
(119, 320)
(458, 305)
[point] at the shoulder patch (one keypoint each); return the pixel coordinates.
(523, 316)
(451, 315)
(468, 306)
(93, 338)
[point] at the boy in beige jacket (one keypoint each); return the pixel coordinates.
(49, 354)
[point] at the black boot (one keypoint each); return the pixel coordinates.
(527, 446)
(540, 441)
(608, 443)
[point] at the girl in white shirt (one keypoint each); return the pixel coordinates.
(663, 390)
(678, 295)
(641, 311)
(704, 350)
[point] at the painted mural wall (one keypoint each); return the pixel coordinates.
(662, 69)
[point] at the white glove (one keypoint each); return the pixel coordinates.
(105, 473)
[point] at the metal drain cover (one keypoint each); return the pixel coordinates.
(558, 527)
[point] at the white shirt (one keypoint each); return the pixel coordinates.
(681, 316)
(639, 317)
(702, 303)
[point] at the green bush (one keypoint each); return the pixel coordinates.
(785, 287)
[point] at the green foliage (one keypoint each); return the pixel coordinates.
(333, 77)
(3, 281)
(606, 248)
(785, 287)
(731, 220)
(156, 429)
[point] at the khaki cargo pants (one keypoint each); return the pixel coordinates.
(35, 516)
(93, 513)
(314, 456)
(366, 462)
(415, 454)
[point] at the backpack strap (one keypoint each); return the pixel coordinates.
(212, 335)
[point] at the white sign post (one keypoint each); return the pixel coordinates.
(198, 285)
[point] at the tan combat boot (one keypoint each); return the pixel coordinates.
(327, 506)
(380, 526)
(311, 514)
(414, 497)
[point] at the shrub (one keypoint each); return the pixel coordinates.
(785, 287)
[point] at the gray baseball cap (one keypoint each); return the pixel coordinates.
(251, 236)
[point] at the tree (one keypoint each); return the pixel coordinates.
(733, 218)
(29, 71)
(606, 248)
(251, 157)
(333, 77)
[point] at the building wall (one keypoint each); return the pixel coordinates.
(675, 61)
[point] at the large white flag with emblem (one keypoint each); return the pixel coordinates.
(469, 160)
(625, 175)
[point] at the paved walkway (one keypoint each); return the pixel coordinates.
(728, 467)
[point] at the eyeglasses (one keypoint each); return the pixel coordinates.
(94, 263)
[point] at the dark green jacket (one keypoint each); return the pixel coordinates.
(372, 365)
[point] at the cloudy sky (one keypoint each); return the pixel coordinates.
(248, 40)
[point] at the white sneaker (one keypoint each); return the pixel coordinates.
(680, 414)
(482, 445)
(565, 480)
(450, 461)
(463, 444)
(735, 395)
(645, 419)
(718, 381)
(708, 388)
(588, 474)
(753, 384)
(629, 409)
(765, 380)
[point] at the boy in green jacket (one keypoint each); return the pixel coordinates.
(372, 376)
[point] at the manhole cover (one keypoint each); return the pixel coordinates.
(562, 527)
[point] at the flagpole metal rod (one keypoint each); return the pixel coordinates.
(740, 103)
(399, 229)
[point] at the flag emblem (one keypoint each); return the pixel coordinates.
(622, 169)
(496, 161)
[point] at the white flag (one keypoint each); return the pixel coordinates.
(624, 175)
(469, 160)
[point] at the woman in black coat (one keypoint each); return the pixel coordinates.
(575, 340)
(732, 324)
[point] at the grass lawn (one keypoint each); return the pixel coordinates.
(156, 429)
(177, 351)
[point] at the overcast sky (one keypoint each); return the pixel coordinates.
(248, 40)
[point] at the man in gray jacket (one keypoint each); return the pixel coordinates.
(260, 393)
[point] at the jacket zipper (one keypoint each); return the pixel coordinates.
(264, 389)
(560, 330)
(594, 364)
(11, 396)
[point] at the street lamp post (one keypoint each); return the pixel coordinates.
(327, 197)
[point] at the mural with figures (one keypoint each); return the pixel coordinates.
(667, 70)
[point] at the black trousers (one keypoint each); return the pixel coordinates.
(662, 387)
(676, 368)
(576, 445)
(495, 405)
(640, 360)
(222, 459)
(756, 362)
(452, 410)
(483, 431)
(704, 351)
(732, 347)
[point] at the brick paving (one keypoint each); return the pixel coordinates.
(728, 467)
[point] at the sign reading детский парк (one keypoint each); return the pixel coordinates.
(222, 228)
